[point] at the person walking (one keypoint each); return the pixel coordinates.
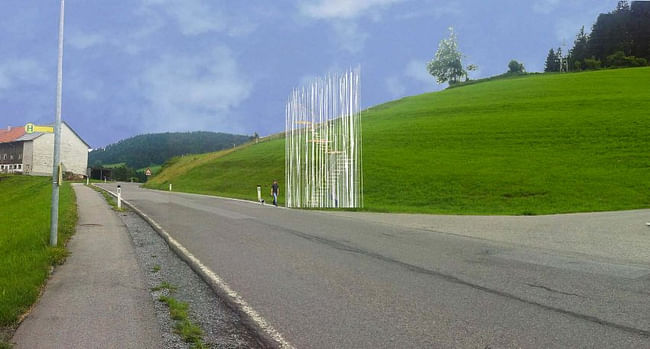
(275, 190)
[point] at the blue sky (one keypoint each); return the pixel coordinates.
(144, 66)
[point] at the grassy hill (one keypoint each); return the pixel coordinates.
(538, 144)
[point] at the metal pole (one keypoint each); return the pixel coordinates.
(54, 223)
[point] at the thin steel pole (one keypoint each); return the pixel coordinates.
(54, 224)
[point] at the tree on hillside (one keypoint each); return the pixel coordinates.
(552, 62)
(516, 67)
(579, 52)
(447, 65)
(612, 32)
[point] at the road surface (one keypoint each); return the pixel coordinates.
(348, 280)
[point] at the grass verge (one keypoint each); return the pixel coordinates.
(109, 198)
(165, 286)
(190, 332)
(26, 257)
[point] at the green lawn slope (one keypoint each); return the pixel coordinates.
(25, 255)
(541, 144)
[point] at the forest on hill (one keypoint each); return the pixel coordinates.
(620, 38)
(154, 149)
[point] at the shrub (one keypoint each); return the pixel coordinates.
(592, 64)
(577, 65)
(619, 59)
(515, 67)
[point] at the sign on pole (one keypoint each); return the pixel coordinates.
(147, 172)
(31, 128)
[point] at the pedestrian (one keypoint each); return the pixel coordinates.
(275, 190)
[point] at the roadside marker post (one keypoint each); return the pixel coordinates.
(170, 187)
(119, 197)
(259, 194)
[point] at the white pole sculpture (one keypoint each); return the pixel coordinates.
(323, 150)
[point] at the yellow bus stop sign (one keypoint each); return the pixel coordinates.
(31, 128)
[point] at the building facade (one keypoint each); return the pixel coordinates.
(33, 154)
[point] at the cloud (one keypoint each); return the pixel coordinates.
(349, 37)
(87, 87)
(81, 40)
(21, 72)
(195, 17)
(413, 79)
(433, 10)
(187, 92)
(395, 87)
(416, 70)
(343, 16)
(545, 6)
(343, 9)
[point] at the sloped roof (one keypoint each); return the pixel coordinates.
(17, 134)
(29, 136)
(12, 134)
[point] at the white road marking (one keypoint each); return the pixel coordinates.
(217, 280)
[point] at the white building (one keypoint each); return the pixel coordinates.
(33, 154)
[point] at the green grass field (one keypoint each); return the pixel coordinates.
(540, 144)
(26, 257)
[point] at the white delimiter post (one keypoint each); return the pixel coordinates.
(54, 222)
(119, 197)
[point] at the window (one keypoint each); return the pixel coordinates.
(11, 156)
(4, 157)
(20, 156)
(20, 167)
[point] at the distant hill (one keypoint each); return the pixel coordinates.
(154, 149)
(535, 144)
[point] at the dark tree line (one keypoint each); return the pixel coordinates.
(620, 38)
(154, 149)
(125, 174)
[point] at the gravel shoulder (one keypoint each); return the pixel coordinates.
(221, 326)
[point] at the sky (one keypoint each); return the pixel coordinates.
(147, 66)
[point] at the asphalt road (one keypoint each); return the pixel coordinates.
(344, 280)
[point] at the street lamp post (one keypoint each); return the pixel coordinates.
(56, 168)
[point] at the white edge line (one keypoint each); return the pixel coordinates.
(216, 196)
(214, 278)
